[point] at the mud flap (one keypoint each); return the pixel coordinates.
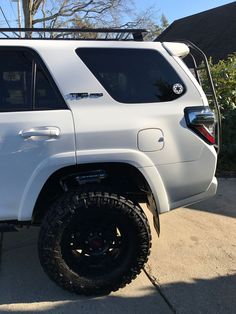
(153, 208)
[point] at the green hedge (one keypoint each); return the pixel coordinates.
(224, 77)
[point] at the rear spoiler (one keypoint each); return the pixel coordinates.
(176, 49)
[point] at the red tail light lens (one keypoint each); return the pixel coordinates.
(202, 121)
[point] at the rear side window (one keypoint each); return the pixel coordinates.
(25, 84)
(15, 81)
(46, 97)
(133, 75)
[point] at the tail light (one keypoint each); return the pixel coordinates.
(202, 121)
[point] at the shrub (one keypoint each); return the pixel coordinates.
(224, 77)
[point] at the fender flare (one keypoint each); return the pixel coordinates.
(56, 162)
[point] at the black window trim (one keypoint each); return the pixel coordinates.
(36, 60)
(33, 84)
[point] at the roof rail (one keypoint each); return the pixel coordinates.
(74, 33)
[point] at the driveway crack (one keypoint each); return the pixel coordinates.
(157, 285)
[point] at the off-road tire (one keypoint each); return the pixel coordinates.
(59, 222)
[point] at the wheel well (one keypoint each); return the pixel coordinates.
(120, 178)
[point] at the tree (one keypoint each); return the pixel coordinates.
(148, 19)
(89, 13)
(55, 15)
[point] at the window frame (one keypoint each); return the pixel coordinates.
(36, 61)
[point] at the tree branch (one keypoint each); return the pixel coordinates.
(64, 11)
(35, 6)
(70, 9)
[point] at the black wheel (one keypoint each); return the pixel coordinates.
(94, 243)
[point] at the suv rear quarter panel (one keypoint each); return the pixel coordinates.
(103, 126)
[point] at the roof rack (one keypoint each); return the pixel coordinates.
(74, 33)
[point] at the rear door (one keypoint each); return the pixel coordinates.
(36, 130)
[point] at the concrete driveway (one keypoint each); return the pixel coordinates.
(192, 268)
(194, 260)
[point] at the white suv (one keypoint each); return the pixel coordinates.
(89, 129)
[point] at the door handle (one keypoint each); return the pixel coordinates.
(40, 131)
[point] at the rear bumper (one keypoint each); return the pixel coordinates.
(183, 188)
(190, 181)
(211, 191)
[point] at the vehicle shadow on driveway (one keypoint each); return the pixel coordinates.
(224, 203)
(211, 296)
(26, 289)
